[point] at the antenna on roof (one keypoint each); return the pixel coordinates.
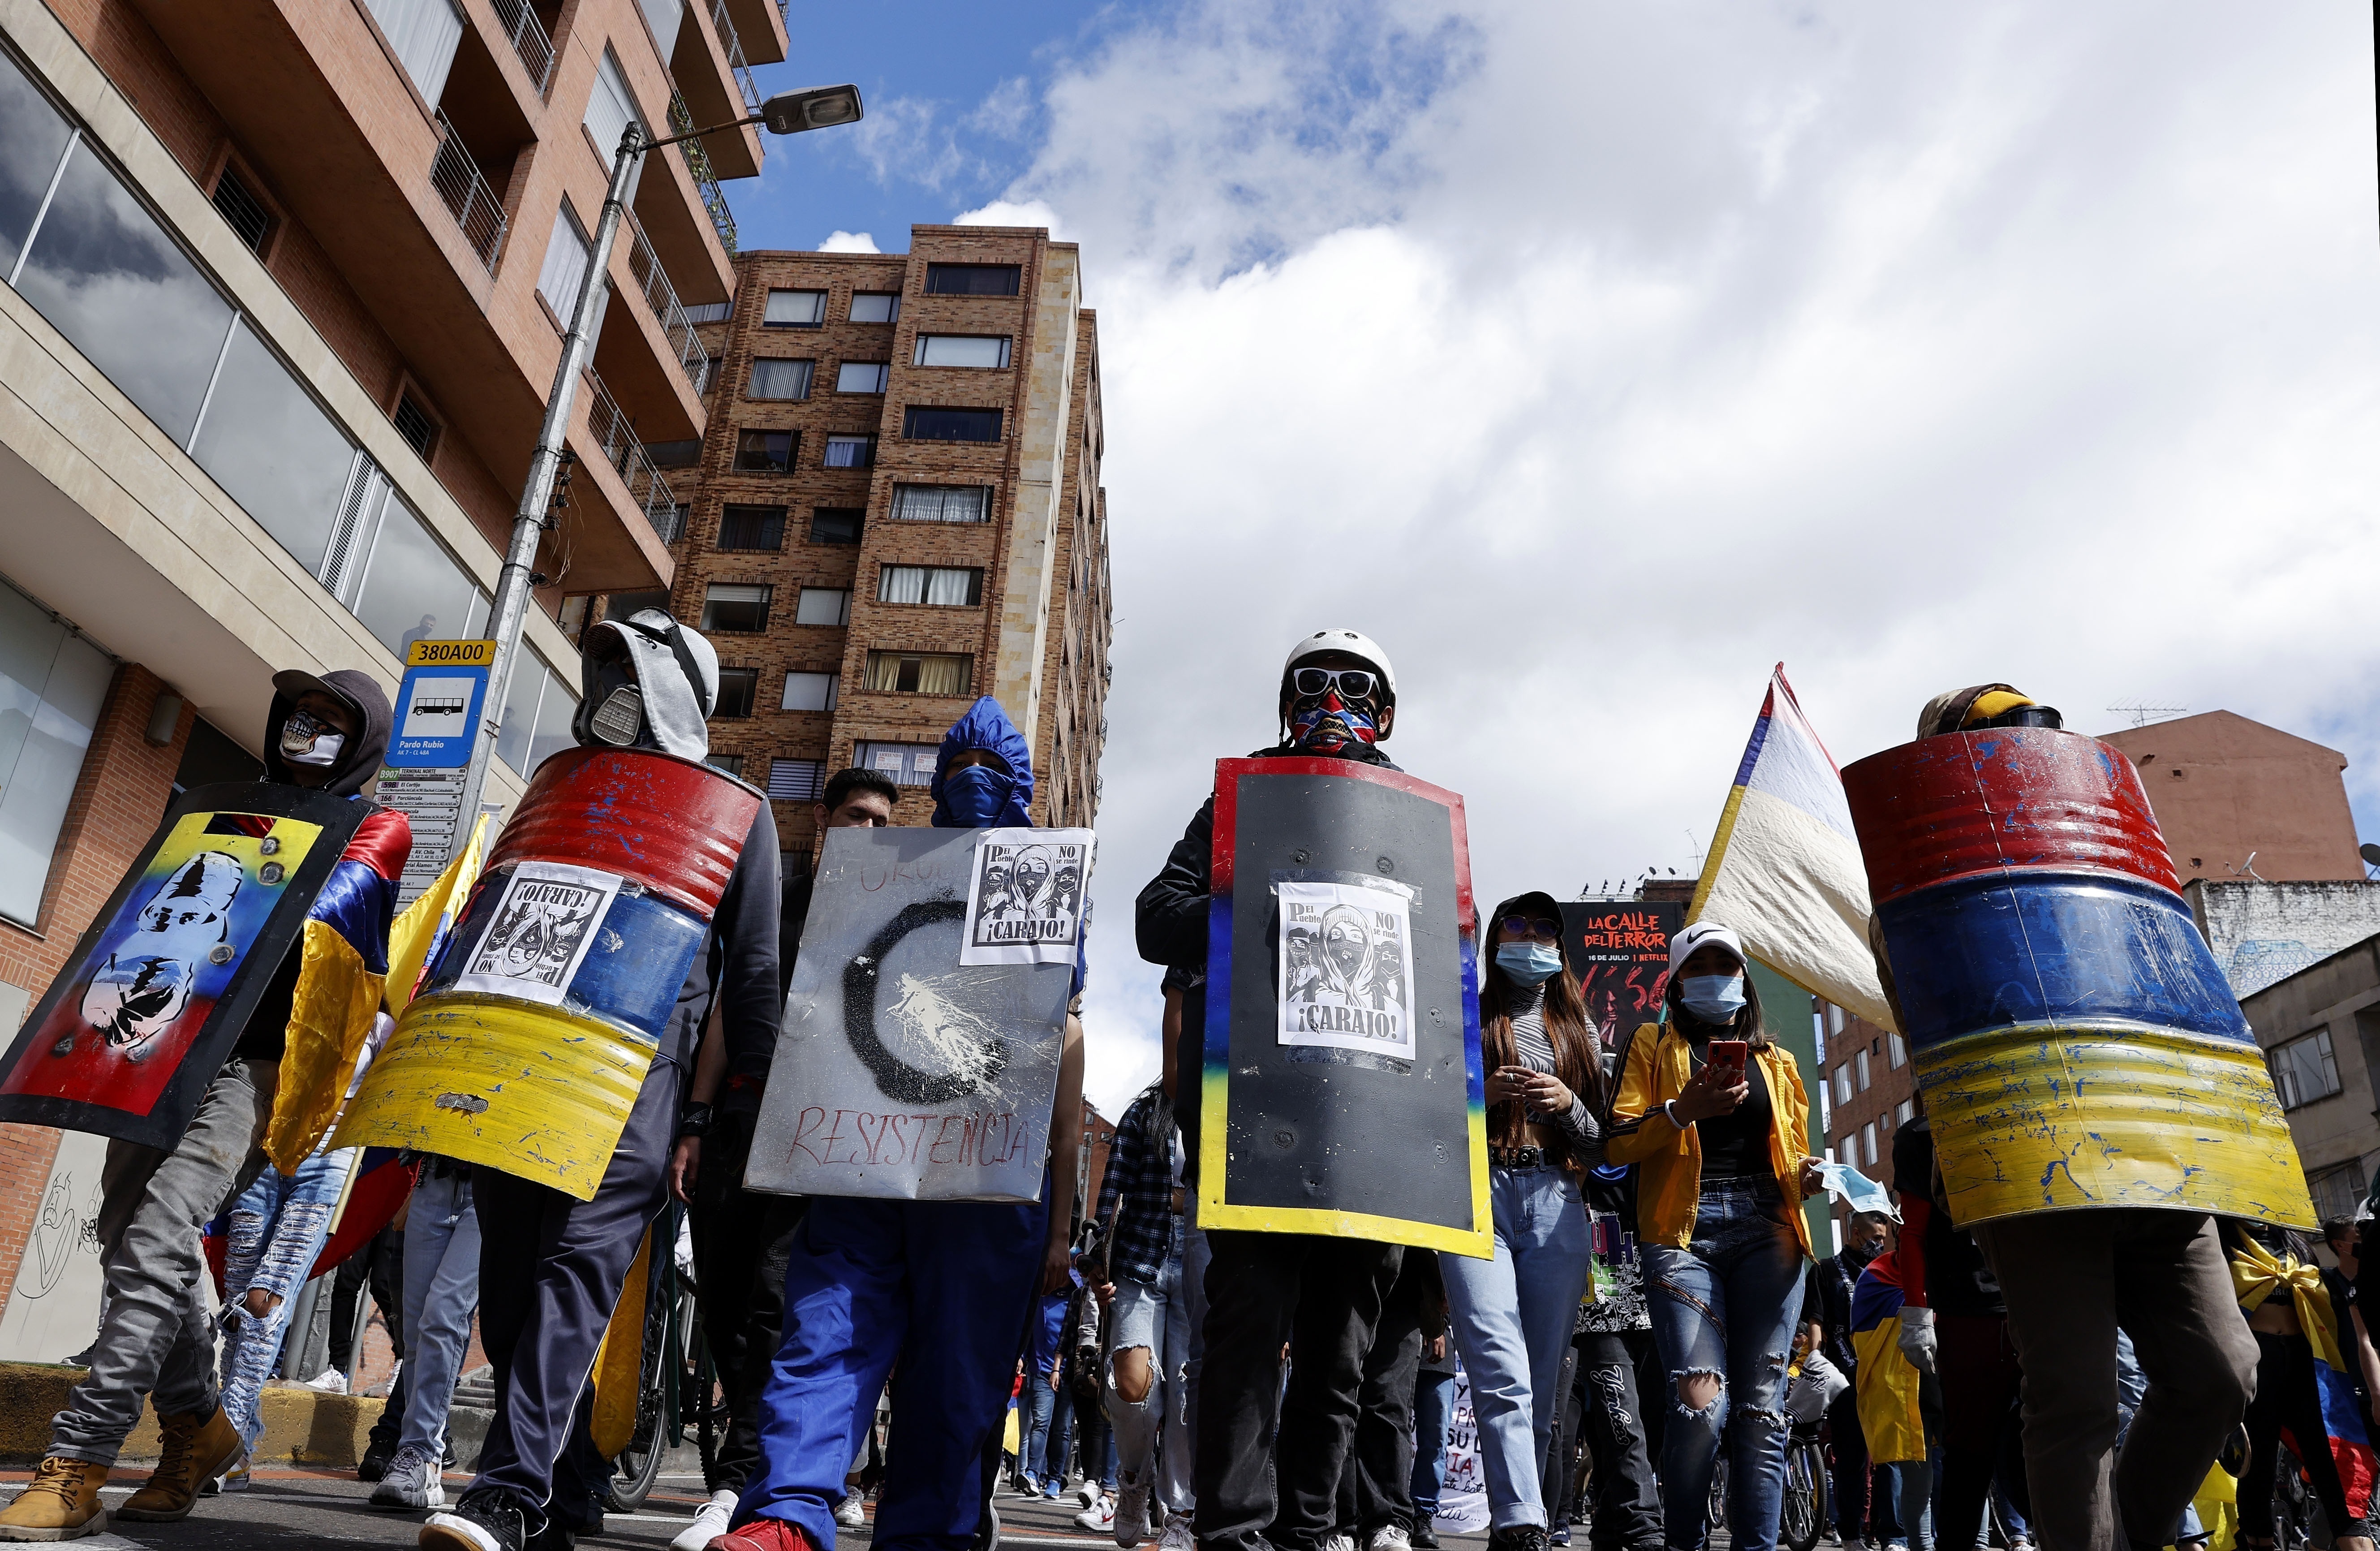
(2142, 713)
(2246, 868)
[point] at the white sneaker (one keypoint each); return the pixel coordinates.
(709, 1525)
(1087, 1492)
(1390, 1537)
(1177, 1535)
(1099, 1518)
(330, 1381)
(851, 1511)
(1132, 1515)
(1336, 1541)
(412, 1480)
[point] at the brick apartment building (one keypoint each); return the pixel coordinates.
(897, 509)
(280, 285)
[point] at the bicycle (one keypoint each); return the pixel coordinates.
(678, 1383)
(1801, 1520)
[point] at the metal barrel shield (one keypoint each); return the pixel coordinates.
(2076, 1042)
(531, 1036)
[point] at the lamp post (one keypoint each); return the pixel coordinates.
(788, 113)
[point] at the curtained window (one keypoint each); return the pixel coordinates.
(424, 33)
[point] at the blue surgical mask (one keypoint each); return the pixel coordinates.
(1528, 963)
(976, 795)
(1713, 997)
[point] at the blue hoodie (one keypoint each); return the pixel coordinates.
(987, 726)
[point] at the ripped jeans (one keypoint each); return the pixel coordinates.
(1726, 1307)
(1152, 1435)
(278, 1227)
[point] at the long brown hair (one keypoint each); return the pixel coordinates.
(1578, 1055)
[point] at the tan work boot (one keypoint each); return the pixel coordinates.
(61, 1504)
(197, 1451)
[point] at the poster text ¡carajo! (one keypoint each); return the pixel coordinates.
(979, 1140)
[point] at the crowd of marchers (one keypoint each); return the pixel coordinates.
(1654, 1313)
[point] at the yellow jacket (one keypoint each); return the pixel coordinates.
(1670, 1161)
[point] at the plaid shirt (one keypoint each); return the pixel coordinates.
(1139, 1189)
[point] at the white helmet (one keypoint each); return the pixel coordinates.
(1353, 642)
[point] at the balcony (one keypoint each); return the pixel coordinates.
(734, 46)
(610, 428)
(467, 195)
(661, 298)
(529, 40)
(697, 164)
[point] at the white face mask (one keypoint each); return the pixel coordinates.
(304, 740)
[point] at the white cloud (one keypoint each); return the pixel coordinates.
(1016, 213)
(841, 241)
(1595, 358)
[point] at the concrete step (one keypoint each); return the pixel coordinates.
(301, 1426)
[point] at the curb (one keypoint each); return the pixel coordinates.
(301, 1426)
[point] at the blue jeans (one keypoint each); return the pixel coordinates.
(1433, 1404)
(278, 1227)
(1725, 1307)
(1154, 1317)
(1513, 1317)
(442, 1292)
(1060, 1440)
(1040, 1405)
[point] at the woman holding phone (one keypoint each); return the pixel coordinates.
(1715, 1118)
(1513, 1315)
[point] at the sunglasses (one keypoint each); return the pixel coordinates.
(1353, 683)
(1539, 928)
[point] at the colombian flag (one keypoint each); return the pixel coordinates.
(2256, 1275)
(1888, 1383)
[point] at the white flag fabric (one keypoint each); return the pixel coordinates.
(1784, 869)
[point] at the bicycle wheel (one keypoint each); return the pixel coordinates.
(708, 1402)
(637, 1466)
(1805, 1517)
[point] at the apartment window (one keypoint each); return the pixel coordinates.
(664, 16)
(424, 34)
(875, 307)
(971, 280)
(1895, 1051)
(1867, 1144)
(736, 606)
(837, 525)
(737, 688)
(731, 763)
(565, 264)
(921, 424)
(52, 683)
(1842, 1084)
(823, 605)
(671, 524)
(773, 377)
(810, 692)
(797, 781)
(795, 309)
(675, 455)
(239, 206)
(1904, 1111)
(850, 452)
(413, 423)
(710, 311)
(941, 502)
(918, 673)
(2304, 1069)
(862, 377)
(943, 585)
(962, 350)
(908, 764)
(765, 452)
(2337, 1193)
(538, 710)
(752, 530)
(1860, 1060)
(1834, 1019)
(611, 108)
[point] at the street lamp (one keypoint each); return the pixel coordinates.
(787, 112)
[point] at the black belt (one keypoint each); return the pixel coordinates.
(1520, 1158)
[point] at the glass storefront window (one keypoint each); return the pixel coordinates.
(52, 685)
(271, 447)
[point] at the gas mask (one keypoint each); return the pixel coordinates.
(304, 740)
(620, 718)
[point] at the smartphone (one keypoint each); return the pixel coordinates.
(1731, 1054)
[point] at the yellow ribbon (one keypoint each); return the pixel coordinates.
(2257, 1273)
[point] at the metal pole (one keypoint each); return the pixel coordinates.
(529, 523)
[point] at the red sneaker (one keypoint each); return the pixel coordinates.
(764, 1534)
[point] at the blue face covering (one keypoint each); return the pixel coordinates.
(1713, 997)
(978, 795)
(1528, 963)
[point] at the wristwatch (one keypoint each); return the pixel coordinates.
(694, 1121)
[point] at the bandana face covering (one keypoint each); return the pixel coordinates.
(976, 795)
(1326, 724)
(304, 740)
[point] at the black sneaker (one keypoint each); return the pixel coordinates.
(1425, 1538)
(1519, 1537)
(553, 1537)
(374, 1464)
(487, 1519)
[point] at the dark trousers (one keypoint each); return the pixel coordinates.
(741, 1239)
(1321, 1297)
(1627, 1498)
(1376, 1483)
(2287, 1397)
(550, 1270)
(2069, 1279)
(1980, 1382)
(380, 1265)
(1850, 1444)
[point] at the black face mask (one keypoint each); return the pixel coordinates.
(1860, 1257)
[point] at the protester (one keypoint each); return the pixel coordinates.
(2344, 1237)
(742, 1238)
(1337, 701)
(1433, 1410)
(377, 1268)
(1148, 1254)
(1826, 1301)
(1613, 1334)
(1043, 1440)
(441, 1293)
(1514, 1314)
(552, 1266)
(1890, 1396)
(1721, 1175)
(328, 735)
(1375, 1506)
(933, 1293)
(2303, 1385)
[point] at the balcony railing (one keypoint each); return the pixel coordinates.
(473, 204)
(735, 46)
(697, 162)
(618, 439)
(662, 298)
(528, 33)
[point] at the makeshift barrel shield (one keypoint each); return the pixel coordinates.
(160, 989)
(2077, 1045)
(918, 1057)
(1342, 1088)
(526, 1046)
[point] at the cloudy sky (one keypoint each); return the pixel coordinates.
(1596, 356)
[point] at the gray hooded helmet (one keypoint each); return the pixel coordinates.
(665, 704)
